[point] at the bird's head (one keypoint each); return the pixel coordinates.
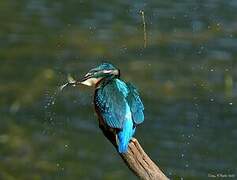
(98, 73)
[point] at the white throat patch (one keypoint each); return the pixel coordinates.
(91, 81)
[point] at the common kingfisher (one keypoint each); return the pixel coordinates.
(117, 104)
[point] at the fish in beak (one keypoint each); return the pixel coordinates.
(71, 82)
(94, 76)
(87, 80)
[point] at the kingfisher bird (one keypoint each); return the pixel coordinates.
(117, 104)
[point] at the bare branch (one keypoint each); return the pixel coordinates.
(136, 159)
(140, 163)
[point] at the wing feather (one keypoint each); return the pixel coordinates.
(111, 102)
(135, 104)
(118, 101)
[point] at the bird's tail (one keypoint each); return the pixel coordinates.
(125, 135)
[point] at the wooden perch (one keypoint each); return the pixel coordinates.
(136, 159)
(140, 163)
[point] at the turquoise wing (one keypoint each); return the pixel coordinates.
(135, 104)
(111, 102)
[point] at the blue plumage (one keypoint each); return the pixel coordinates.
(117, 104)
(125, 135)
(135, 104)
(121, 108)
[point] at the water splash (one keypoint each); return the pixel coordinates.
(50, 99)
(50, 102)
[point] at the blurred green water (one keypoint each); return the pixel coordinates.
(186, 77)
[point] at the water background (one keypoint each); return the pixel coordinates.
(186, 77)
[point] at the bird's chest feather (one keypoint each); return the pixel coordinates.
(99, 110)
